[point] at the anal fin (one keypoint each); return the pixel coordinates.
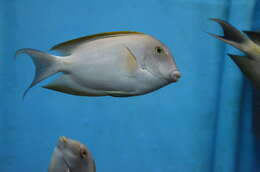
(67, 85)
(117, 93)
(243, 62)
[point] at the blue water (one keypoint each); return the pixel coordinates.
(200, 124)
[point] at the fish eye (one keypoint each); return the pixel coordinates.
(83, 153)
(158, 50)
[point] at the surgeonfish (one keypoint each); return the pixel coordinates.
(248, 43)
(118, 64)
(71, 156)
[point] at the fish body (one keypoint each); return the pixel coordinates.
(249, 43)
(119, 64)
(71, 156)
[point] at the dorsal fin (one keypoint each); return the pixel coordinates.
(68, 46)
(254, 36)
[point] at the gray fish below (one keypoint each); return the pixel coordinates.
(248, 43)
(118, 64)
(71, 156)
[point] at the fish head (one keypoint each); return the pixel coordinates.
(75, 154)
(159, 61)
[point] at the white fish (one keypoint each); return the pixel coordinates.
(71, 156)
(118, 64)
(250, 45)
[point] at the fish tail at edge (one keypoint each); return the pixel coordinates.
(45, 65)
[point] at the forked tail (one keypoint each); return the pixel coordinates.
(231, 36)
(45, 65)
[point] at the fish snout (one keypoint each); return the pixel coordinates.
(175, 75)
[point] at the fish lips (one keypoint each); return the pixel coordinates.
(175, 76)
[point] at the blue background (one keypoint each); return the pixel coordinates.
(200, 124)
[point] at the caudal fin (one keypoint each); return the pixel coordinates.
(231, 36)
(45, 65)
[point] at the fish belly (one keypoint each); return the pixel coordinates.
(114, 82)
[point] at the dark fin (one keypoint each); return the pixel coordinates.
(68, 46)
(231, 34)
(254, 36)
(243, 62)
(45, 65)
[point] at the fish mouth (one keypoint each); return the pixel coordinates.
(175, 76)
(172, 77)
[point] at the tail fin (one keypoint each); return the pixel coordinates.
(45, 65)
(231, 36)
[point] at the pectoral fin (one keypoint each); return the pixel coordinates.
(131, 62)
(67, 164)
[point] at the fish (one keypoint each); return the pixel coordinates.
(118, 64)
(71, 156)
(247, 42)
